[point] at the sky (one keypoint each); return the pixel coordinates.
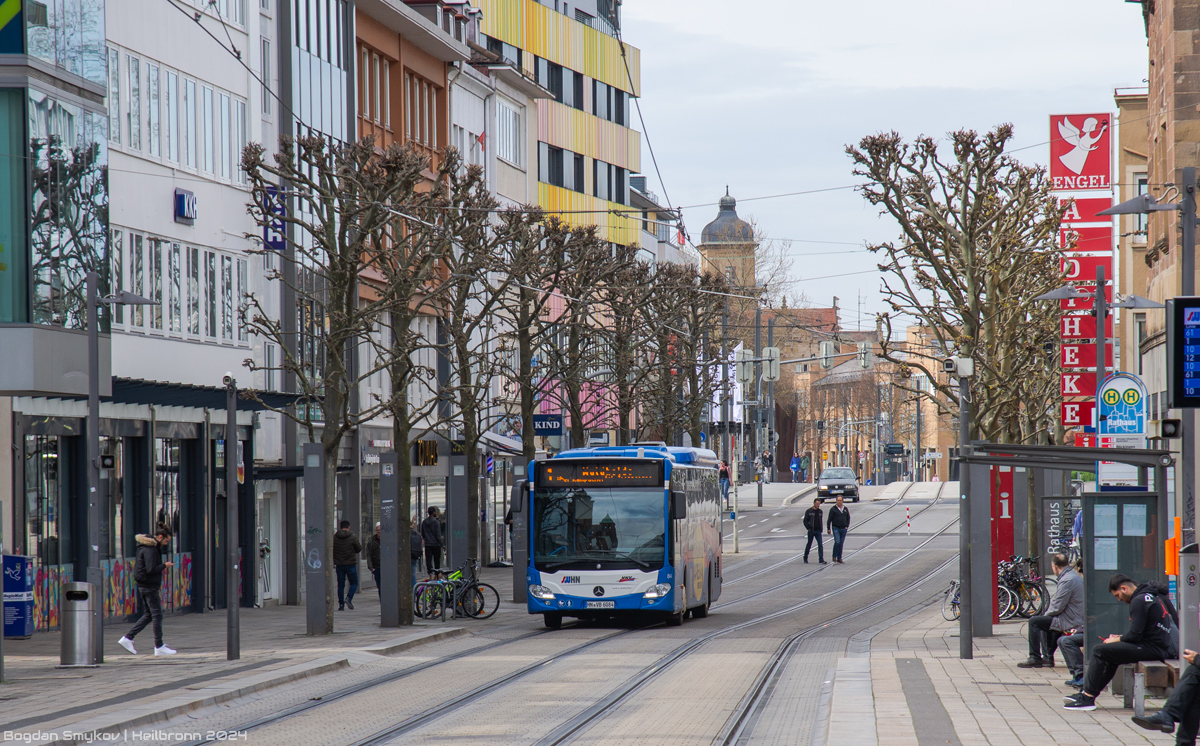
(764, 97)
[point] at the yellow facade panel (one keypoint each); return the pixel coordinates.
(544, 32)
(584, 209)
(566, 127)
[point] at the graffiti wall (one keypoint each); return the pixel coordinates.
(120, 597)
(47, 585)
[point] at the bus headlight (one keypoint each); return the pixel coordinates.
(541, 592)
(658, 591)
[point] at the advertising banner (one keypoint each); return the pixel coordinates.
(1088, 239)
(1083, 266)
(1080, 151)
(1083, 327)
(1084, 209)
(1083, 355)
(1078, 413)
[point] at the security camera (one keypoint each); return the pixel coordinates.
(961, 367)
(227, 380)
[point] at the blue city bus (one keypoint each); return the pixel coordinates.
(627, 531)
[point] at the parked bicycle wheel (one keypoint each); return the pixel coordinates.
(1031, 600)
(950, 604)
(1006, 602)
(429, 600)
(485, 601)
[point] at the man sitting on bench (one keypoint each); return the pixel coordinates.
(1183, 707)
(1151, 617)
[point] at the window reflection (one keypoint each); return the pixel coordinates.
(68, 34)
(69, 200)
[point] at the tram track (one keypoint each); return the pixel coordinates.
(789, 560)
(428, 716)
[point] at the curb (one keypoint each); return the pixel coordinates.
(793, 498)
(183, 704)
(400, 644)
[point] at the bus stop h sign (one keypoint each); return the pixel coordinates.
(1120, 423)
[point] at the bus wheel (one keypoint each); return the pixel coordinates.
(675, 620)
(552, 620)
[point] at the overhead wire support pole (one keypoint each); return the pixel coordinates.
(965, 619)
(1187, 466)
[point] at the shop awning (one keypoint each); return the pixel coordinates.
(164, 394)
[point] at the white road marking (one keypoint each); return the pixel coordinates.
(773, 515)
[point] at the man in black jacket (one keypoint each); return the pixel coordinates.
(1151, 615)
(812, 522)
(147, 574)
(346, 548)
(431, 534)
(415, 547)
(839, 523)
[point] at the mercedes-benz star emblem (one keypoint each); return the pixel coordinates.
(598, 590)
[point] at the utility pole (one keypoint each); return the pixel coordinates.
(1187, 445)
(725, 447)
(233, 644)
(920, 460)
(758, 397)
(965, 620)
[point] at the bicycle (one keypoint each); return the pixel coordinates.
(463, 595)
(950, 604)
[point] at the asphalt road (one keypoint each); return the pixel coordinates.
(754, 672)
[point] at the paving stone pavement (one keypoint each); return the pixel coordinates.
(990, 701)
(274, 650)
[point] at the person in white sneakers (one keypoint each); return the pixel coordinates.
(147, 574)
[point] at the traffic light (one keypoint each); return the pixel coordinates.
(771, 364)
(864, 351)
(745, 368)
(820, 425)
(828, 349)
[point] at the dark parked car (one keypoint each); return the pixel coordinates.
(838, 481)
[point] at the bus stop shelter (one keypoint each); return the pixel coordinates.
(1124, 531)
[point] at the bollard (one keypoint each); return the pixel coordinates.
(78, 631)
(908, 518)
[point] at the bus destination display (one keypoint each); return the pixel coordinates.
(1183, 352)
(599, 474)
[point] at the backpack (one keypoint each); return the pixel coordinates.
(1172, 632)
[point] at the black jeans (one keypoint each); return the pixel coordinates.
(1071, 647)
(815, 536)
(378, 587)
(152, 612)
(344, 572)
(1107, 657)
(433, 559)
(1184, 706)
(1042, 640)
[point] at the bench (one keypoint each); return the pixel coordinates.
(1156, 678)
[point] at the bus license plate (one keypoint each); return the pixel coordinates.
(601, 604)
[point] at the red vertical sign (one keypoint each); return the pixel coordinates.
(1002, 519)
(1080, 151)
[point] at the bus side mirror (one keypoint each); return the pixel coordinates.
(516, 500)
(678, 505)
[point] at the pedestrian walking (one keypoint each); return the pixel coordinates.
(1183, 707)
(346, 548)
(812, 523)
(415, 548)
(805, 463)
(373, 558)
(795, 467)
(723, 476)
(839, 523)
(1064, 613)
(147, 575)
(431, 534)
(1152, 636)
(768, 465)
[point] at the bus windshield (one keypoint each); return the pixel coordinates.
(581, 527)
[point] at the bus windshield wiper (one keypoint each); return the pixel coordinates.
(613, 555)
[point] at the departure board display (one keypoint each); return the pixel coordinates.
(1183, 352)
(579, 473)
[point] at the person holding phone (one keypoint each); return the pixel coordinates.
(148, 570)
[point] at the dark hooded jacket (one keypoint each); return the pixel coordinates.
(148, 567)
(373, 550)
(345, 547)
(1150, 616)
(812, 520)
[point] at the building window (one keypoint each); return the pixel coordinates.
(364, 85)
(554, 166)
(409, 98)
(223, 125)
(1140, 220)
(508, 133)
(117, 280)
(193, 291)
(265, 45)
(156, 282)
(210, 294)
(377, 80)
(172, 116)
(152, 110)
(386, 103)
(175, 290)
(206, 116)
(189, 124)
(578, 186)
(242, 290)
(243, 139)
(226, 297)
(137, 275)
(133, 105)
(114, 96)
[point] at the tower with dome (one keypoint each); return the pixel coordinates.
(728, 245)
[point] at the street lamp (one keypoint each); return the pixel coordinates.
(94, 575)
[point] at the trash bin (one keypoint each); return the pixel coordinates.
(78, 628)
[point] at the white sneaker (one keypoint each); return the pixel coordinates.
(163, 650)
(126, 643)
